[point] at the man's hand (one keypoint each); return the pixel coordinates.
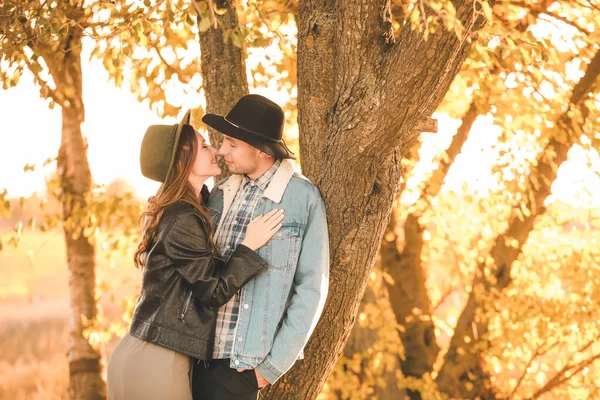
(262, 382)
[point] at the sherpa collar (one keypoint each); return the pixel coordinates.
(274, 191)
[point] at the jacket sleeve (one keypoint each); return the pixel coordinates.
(309, 291)
(213, 281)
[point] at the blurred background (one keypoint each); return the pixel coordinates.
(461, 187)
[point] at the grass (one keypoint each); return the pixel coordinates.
(35, 311)
(33, 363)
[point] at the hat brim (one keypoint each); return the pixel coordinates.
(184, 121)
(275, 149)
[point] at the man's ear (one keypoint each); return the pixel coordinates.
(263, 155)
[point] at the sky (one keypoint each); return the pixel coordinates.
(114, 126)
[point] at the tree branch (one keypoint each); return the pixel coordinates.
(536, 10)
(566, 21)
(412, 50)
(185, 78)
(538, 352)
(561, 376)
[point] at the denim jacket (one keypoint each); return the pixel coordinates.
(280, 307)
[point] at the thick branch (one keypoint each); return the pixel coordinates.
(223, 71)
(316, 31)
(409, 293)
(414, 62)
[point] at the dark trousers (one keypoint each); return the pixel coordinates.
(216, 380)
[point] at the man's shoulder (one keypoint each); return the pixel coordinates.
(220, 183)
(216, 190)
(301, 186)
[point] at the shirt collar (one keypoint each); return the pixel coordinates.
(263, 180)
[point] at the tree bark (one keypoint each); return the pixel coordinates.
(407, 292)
(75, 181)
(368, 108)
(223, 71)
(463, 369)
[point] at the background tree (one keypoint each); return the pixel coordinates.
(47, 41)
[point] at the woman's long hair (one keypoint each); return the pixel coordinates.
(176, 188)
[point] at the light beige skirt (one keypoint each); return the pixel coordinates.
(141, 370)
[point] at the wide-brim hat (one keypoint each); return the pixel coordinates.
(257, 121)
(159, 146)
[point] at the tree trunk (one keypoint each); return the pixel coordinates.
(223, 71)
(351, 147)
(463, 369)
(407, 292)
(363, 339)
(75, 180)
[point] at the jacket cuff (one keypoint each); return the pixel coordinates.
(250, 256)
(269, 371)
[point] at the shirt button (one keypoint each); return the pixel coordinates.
(246, 306)
(237, 362)
(262, 201)
(240, 339)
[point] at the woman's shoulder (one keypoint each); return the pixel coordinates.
(180, 210)
(181, 219)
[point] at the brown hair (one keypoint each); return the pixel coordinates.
(176, 188)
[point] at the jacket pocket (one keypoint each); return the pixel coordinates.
(285, 246)
(186, 306)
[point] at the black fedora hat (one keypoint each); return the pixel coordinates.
(257, 121)
(159, 146)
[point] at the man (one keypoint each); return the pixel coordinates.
(262, 331)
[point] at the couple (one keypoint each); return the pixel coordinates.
(223, 314)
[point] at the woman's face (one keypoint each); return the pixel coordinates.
(205, 164)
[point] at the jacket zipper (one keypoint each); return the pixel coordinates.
(186, 305)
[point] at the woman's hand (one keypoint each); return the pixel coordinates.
(261, 229)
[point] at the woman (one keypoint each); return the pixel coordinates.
(184, 282)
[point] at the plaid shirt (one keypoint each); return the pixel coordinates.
(231, 232)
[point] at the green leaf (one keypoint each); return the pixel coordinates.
(204, 25)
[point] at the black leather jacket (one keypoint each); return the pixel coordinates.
(183, 285)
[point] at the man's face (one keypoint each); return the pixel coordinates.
(241, 158)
